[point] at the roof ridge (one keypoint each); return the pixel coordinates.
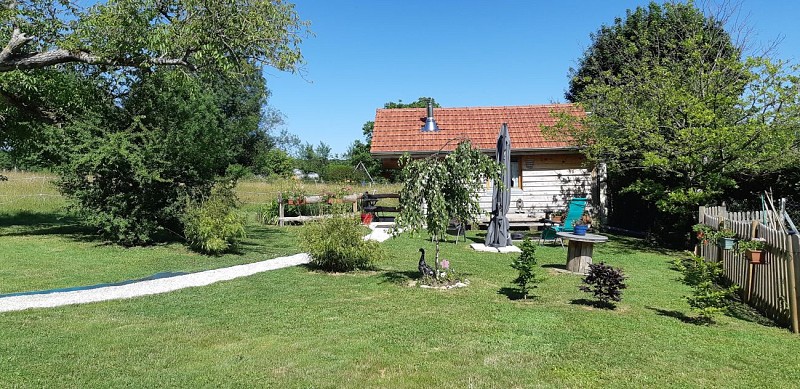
(484, 107)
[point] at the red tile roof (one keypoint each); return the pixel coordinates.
(398, 130)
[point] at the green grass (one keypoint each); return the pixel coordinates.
(299, 328)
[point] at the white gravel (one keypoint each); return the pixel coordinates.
(144, 288)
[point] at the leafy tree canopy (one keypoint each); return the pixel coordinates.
(675, 111)
(194, 34)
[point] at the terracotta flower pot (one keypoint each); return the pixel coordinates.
(754, 256)
(556, 219)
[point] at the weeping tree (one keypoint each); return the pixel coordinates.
(443, 187)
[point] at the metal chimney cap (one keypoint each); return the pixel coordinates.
(430, 123)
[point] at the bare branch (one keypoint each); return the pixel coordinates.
(61, 56)
(18, 39)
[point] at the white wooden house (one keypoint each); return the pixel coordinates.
(546, 172)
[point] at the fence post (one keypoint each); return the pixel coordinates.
(793, 256)
(280, 209)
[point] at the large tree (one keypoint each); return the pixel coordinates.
(41, 38)
(677, 113)
(140, 104)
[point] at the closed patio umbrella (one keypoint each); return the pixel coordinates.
(498, 233)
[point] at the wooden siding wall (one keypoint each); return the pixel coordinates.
(548, 183)
(770, 287)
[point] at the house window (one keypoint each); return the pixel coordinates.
(516, 173)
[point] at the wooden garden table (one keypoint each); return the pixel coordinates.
(579, 250)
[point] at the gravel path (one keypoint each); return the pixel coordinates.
(144, 288)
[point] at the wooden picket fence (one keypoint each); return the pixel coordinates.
(770, 287)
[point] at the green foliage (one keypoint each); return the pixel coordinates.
(268, 213)
(336, 244)
(314, 158)
(751, 244)
(696, 270)
(705, 277)
(130, 176)
(216, 36)
(605, 283)
(704, 232)
(708, 300)
(677, 114)
(339, 172)
(447, 186)
(525, 265)
(274, 162)
(213, 225)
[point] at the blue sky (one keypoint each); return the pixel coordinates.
(463, 53)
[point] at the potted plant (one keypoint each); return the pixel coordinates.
(753, 249)
(704, 232)
(726, 238)
(557, 216)
(579, 227)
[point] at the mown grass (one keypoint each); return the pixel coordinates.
(300, 328)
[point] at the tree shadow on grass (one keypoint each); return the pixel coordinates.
(625, 245)
(40, 224)
(400, 277)
(594, 304)
(677, 315)
(512, 293)
(739, 310)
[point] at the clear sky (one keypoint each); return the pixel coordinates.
(461, 52)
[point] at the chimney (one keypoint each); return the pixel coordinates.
(430, 122)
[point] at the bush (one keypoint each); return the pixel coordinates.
(213, 226)
(708, 296)
(525, 264)
(697, 270)
(336, 244)
(343, 173)
(605, 282)
(709, 299)
(268, 213)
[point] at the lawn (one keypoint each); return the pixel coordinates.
(300, 328)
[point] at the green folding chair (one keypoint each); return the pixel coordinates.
(574, 213)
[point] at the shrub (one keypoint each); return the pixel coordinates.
(697, 270)
(605, 282)
(213, 226)
(708, 299)
(336, 172)
(525, 264)
(336, 244)
(705, 277)
(268, 213)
